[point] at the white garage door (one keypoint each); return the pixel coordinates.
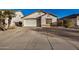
(30, 22)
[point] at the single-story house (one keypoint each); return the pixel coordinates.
(39, 19)
(72, 18)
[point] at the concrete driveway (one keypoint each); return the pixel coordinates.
(29, 39)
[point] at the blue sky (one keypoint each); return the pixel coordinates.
(58, 12)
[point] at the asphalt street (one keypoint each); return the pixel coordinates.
(34, 39)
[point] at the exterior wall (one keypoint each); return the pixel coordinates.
(47, 16)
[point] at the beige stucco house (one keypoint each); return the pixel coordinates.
(39, 19)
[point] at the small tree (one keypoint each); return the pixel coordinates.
(10, 14)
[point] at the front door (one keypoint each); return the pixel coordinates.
(39, 22)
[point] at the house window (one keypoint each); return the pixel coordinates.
(48, 21)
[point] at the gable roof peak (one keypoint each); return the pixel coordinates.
(39, 10)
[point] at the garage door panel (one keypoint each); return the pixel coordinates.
(29, 22)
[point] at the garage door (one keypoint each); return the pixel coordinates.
(30, 22)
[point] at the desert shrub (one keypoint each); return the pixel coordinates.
(68, 23)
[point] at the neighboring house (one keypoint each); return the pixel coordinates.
(74, 18)
(18, 18)
(39, 19)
